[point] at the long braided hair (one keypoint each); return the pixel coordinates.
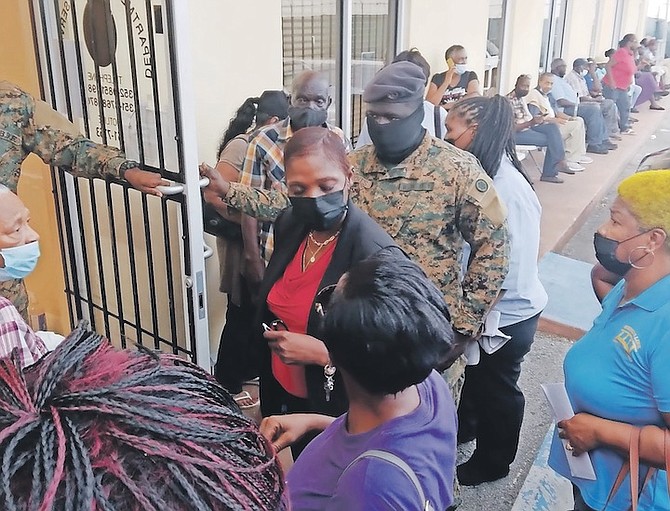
(494, 137)
(93, 428)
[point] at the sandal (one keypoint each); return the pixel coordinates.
(245, 401)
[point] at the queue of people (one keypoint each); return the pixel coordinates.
(382, 298)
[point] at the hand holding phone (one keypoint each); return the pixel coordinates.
(450, 64)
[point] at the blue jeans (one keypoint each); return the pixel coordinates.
(622, 100)
(544, 135)
(596, 132)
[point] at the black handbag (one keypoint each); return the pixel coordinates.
(217, 225)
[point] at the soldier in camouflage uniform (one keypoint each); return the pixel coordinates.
(29, 126)
(427, 194)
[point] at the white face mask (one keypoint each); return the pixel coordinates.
(584, 72)
(461, 68)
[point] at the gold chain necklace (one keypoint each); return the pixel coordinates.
(320, 246)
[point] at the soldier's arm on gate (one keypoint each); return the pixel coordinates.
(264, 205)
(481, 222)
(58, 142)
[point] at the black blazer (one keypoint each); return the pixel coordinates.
(360, 238)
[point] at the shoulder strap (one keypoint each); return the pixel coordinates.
(632, 467)
(395, 460)
(436, 121)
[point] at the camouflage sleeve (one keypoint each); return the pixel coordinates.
(264, 205)
(58, 142)
(481, 221)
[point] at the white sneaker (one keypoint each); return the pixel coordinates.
(585, 160)
(572, 165)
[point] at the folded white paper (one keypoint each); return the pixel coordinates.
(580, 466)
(492, 339)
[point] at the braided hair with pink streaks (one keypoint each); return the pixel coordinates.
(93, 428)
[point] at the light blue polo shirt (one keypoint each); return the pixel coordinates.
(563, 90)
(620, 370)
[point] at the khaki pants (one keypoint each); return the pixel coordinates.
(574, 139)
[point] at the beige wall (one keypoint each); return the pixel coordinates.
(237, 53)
(579, 28)
(434, 25)
(521, 53)
(605, 27)
(634, 18)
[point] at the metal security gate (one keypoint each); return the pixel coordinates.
(134, 264)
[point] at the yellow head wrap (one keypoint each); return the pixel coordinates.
(647, 195)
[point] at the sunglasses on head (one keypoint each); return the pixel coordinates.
(322, 299)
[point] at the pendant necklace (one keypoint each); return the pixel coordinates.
(320, 246)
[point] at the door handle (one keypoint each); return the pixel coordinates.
(207, 251)
(179, 187)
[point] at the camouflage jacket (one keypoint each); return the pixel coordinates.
(431, 202)
(29, 126)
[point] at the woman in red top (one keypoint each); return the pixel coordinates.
(620, 72)
(317, 240)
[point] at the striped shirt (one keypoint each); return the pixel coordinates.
(15, 334)
(264, 169)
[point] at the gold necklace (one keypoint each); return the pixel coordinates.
(320, 246)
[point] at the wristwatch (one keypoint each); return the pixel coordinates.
(128, 164)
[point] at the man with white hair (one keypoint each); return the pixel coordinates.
(19, 249)
(19, 252)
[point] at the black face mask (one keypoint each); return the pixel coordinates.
(606, 253)
(320, 213)
(396, 140)
(453, 141)
(302, 117)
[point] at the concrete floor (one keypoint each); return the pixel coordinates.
(544, 364)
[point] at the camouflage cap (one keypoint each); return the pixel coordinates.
(400, 82)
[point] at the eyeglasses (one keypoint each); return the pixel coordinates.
(322, 299)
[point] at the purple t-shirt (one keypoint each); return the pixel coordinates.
(425, 439)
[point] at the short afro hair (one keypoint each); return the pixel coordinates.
(387, 325)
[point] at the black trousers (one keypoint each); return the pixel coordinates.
(276, 401)
(237, 358)
(492, 404)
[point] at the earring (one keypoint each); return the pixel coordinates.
(329, 374)
(647, 252)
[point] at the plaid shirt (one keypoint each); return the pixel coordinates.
(264, 169)
(15, 334)
(521, 112)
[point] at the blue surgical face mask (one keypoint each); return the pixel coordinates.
(461, 68)
(19, 261)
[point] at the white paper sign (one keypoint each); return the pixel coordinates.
(580, 466)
